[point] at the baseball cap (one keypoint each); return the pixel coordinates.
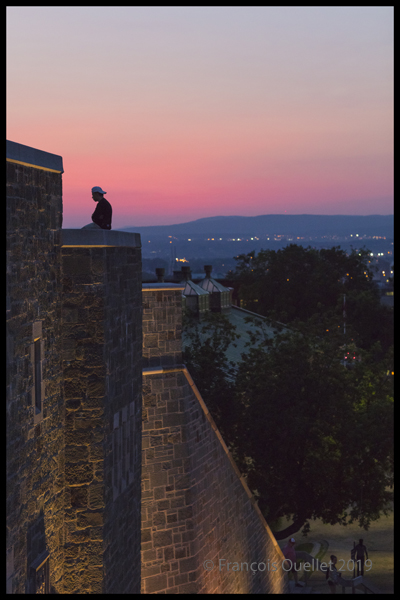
(96, 188)
(292, 540)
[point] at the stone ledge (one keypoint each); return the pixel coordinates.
(152, 287)
(87, 238)
(31, 157)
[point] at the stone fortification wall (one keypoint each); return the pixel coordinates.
(162, 325)
(235, 550)
(195, 507)
(34, 403)
(74, 420)
(102, 323)
(167, 498)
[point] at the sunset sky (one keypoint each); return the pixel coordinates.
(188, 112)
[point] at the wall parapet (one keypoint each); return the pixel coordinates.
(153, 287)
(32, 157)
(183, 369)
(87, 238)
(198, 514)
(162, 325)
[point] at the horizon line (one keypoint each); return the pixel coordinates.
(258, 216)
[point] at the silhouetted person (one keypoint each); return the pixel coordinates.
(332, 574)
(103, 213)
(290, 554)
(360, 552)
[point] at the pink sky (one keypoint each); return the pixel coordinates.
(182, 113)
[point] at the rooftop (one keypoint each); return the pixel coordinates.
(246, 323)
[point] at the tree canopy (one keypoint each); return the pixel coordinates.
(314, 438)
(205, 357)
(296, 283)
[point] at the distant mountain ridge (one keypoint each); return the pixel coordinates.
(235, 226)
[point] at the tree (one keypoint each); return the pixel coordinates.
(369, 320)
(296, 282)
(205, 357)
(313, 437)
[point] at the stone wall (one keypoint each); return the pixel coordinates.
(75, 514)
(162, 325)
(34, 403)
(235, 550)
(167, 500)
(195, 506)
(102, 323)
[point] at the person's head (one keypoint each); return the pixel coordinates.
(361, 542)
(97, 193)
(292, 541)
(333, 559)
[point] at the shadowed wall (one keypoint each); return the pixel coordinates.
(195, 506)
(35, 403)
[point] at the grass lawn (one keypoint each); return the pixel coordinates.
(379, 540)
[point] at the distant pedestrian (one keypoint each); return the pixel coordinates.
(103, 213)
(360, 554)
(290, 554)
(333, 575)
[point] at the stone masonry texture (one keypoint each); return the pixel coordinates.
(162, 328)
(102, 336)
(195, 508)
(35, 458)
(74, 382)
(98, 401)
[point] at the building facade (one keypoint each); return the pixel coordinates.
(85, 343)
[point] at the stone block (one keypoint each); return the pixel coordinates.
(150, 571)
(162, 538)
(170, 420)
(159, 493)
(150, 340)
(96, 496)
(96, 386)
(76, 265)
(172, 518)
(93, 578)
(85, 421)
(159, 519)
(76, 454)
(182, 482)
(148, 556)
(72, 404)
(158, 479)
(78, 473)
(181, 450)
(156, 440)
(181, 579)
(155, 583)
(146, 535)
(96, 452)
(188, 588)
(89, 519)
(185, 513)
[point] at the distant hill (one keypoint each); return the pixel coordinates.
(313, 225)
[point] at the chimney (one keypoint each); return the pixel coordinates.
(160, 272)
(208, 269)
(186, 273)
